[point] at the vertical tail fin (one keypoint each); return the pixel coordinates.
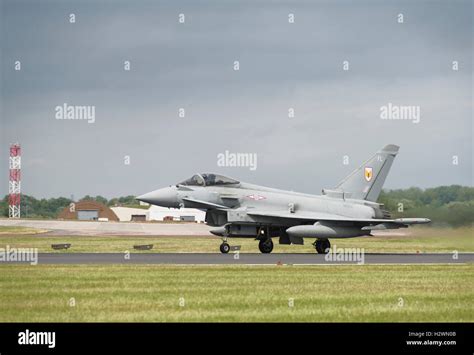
(365, 183)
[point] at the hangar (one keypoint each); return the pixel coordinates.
(158, 213)
(88, 210)
(127, 214)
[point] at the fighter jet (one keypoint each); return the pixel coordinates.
(242, 210)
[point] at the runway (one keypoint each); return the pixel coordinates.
(246, 259)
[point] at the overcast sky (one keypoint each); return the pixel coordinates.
(191, 65)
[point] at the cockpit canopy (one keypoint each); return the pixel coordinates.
(209, 179)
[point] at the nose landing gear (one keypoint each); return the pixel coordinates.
(224, 248)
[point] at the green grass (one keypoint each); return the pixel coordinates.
(422, 240)
(144, 293)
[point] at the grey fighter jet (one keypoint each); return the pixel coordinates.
(242, 210)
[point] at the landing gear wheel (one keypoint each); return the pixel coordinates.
(322, 246)
(224, 248)
(265, 246)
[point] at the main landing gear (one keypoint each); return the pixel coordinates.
(322, 246)
(265, 246)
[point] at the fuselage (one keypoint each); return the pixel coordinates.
(250, 197)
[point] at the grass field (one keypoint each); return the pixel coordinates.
(368, 293)
(423, 240)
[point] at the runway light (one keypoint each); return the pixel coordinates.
(60, 246)
(143, 247)
(235, 248)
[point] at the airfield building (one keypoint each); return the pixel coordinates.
(88, 211)
(156, 213)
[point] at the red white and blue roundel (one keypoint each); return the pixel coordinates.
(256, 197)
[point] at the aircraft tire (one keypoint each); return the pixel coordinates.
(265, 246)
(224, 248)
(322, 246)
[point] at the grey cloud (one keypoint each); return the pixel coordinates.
(190, 66)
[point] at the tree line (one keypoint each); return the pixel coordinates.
(51, 207)
(444, 205)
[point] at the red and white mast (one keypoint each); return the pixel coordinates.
(14, 184)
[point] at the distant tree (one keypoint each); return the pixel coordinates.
(113, 202)
(33, 208)
(4, 206)
(127, 200)
(101, 199)
(97, 198)
(450, 205)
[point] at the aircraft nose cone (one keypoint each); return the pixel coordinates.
(165, 197)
